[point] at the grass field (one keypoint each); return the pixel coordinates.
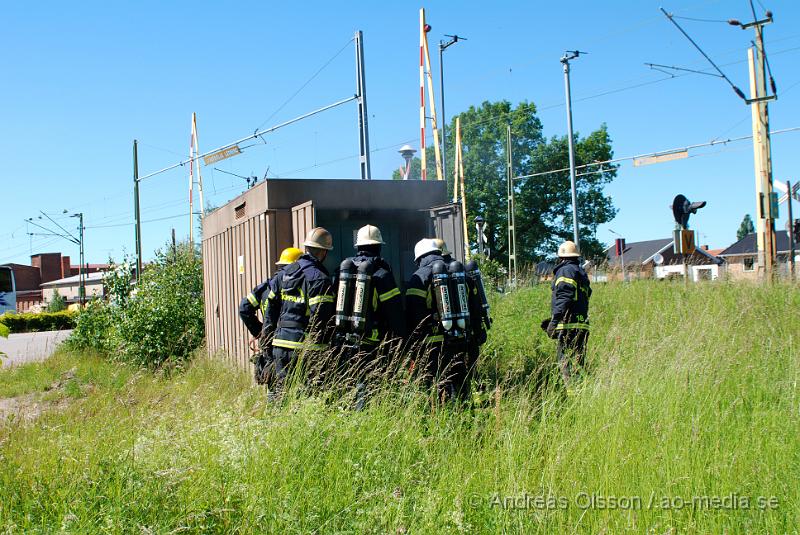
(688, 423)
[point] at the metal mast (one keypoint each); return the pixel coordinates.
(361, 94)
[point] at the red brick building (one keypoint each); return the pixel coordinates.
(44, 268)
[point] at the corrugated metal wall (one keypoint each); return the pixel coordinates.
(235, 261)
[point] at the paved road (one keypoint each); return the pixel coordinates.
(30, 347)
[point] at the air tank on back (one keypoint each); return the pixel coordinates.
(344, 294)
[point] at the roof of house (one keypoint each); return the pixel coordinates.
(638, 252)
(91, 266)
(642, 252)
(749, 245)
(91, 278)
(715, 252)
(13, 265)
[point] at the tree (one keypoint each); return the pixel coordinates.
(543, 203)
(745, 228)
(57, 302)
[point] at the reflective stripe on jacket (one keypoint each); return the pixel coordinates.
(304, 294)
(571, 292)
(257, 300)
(421, 316)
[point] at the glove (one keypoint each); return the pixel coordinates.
(551, 329)
(544, 324)
(264, 367)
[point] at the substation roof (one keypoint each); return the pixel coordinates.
(328, 194)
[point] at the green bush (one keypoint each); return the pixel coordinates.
(94, 328)
(57, 303)
(41, 321)
(164, 318)
(493, 273)
(160, 322)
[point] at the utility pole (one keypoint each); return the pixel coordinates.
(81, 269)
(442, 47)
(765, 220)
(136, 214)
(792, 237)
(568, 56)
(361, 94)
(512, 235)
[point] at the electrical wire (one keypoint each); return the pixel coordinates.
(306, 83)
(722, 74)
(700, 20)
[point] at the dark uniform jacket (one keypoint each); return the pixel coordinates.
(257, 300)
(420, 305)
(387, 307)
(571, 292)
(304, 298)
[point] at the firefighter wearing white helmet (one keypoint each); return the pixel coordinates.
(569, 310)
(381, 316)
(368, 309)
(304, 299)
(425, 331)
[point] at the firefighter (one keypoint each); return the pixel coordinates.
(386, 318)
(446, 357)
(361, 327)
(569, 321)
(257, 300)
(304, 298)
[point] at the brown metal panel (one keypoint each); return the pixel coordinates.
(228, 294)
(223, 285)
(238, 274)
(211, 293)
(302, 221)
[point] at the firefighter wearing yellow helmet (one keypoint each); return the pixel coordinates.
(569, 307)
(256, 301)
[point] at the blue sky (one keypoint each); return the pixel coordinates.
(81, 80)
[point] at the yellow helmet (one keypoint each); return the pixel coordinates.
(289, 256)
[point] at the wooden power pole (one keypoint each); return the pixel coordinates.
(766, 200)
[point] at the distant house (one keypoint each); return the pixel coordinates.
(69, 287)
(657, 259)
(44, 268)
(741, 258)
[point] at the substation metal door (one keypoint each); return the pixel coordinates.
(447, 225)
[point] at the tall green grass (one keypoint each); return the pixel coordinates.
(692, 393)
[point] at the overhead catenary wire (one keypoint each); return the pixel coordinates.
(711, 61)
(680, 149)
(256, 134)
(322, 68)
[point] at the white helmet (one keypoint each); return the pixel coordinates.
(425, 246)
(369, 235)
(568, 249)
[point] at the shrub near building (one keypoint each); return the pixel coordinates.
(36, 322)
(160, 323)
